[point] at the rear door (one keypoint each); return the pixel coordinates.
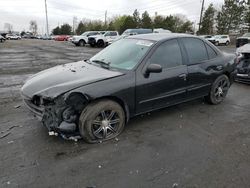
(204, 65)
(165, 88)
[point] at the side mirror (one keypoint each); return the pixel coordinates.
(153, 68)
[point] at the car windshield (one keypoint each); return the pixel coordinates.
(246, 35)
(123, 54)
(85, 34)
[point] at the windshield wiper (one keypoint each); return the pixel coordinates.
(102, 63)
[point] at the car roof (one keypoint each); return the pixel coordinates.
(159, 36)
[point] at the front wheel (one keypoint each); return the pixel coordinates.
(218, 90)
(227, 43)
(81, 43)
(100, 121)
(100, 43)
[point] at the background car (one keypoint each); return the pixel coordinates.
(240, 41)
(140, 73)
(104, 39)
(222, 39)
(82, 40)
(2, 39)
(209, 38)
(61, 37)
(243, 66)
(130, 32)
(160, 30)
(12, 37)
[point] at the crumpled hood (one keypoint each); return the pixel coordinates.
(52, 82)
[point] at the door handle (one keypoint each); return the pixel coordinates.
(183, 76)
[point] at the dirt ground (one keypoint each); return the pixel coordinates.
(191, 145)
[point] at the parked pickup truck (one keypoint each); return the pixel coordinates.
(81, 40)
(103, 39)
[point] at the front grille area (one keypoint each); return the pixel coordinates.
(91, 40)
(37, 110)
(241, 42)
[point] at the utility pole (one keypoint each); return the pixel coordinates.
(202, 7)
(105, 18)
(47, 23)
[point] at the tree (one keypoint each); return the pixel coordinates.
(230, 16)
(65, 29)
(136, 18)
(207, 23)
(33, 27)
(81, 28)
(128, 23)
(146, 21)
(56, 31)
(169, 23)
(247, 15)
(159, 21)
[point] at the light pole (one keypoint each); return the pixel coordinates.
(47, 23)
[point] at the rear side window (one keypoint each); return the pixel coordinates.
(211, 53)
(167, 55)
(196, 50)
(113, 34)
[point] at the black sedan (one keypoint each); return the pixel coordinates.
(95, 98)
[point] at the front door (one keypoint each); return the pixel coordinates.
(159, 90)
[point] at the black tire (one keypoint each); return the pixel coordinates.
(218, 90)
(227, 43)
(100, 43)
(82, 43)
(95, 122)
(217, 43)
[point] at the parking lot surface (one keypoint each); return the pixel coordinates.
(191, 145)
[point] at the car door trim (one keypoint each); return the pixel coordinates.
(163, 96)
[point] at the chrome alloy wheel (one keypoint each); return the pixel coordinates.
(106, 124)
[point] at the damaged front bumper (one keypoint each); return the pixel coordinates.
(59, 118)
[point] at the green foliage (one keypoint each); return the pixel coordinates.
(208, 21)
(65, 29)
(230, 16)
(136, 18)
(81, 28)
(56, 31)
(128, 23)
(146, 21)
(159, 22)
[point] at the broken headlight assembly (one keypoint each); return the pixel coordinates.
(62, 115)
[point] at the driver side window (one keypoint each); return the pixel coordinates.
(168, 54)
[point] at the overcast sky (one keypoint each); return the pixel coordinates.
(20, 12)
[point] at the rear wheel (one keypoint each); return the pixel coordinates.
(81, 43)
(100, 121)
(227, 43)
(218, 90)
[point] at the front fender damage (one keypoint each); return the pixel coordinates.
(61, 116)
